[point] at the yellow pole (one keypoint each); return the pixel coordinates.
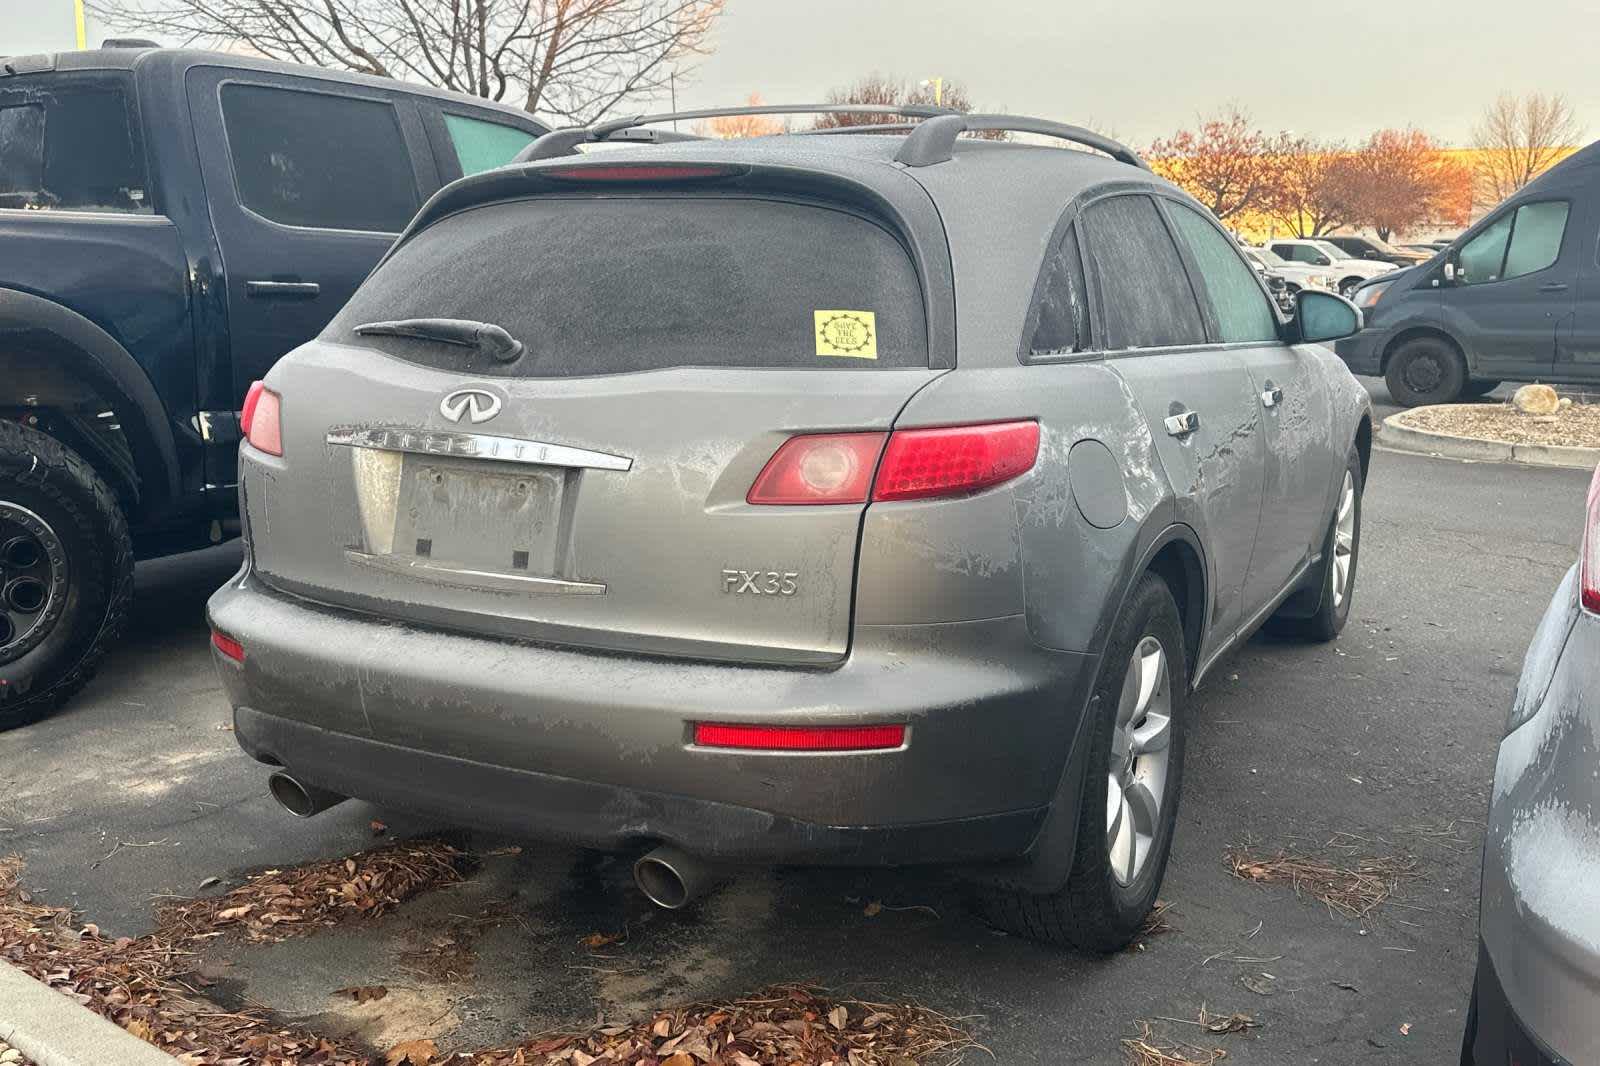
(938, 83)
(77, 15)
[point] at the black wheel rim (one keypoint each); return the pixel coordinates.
(33, 580)
(1423, 372)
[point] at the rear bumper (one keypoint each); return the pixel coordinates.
(1495, 1035)
(596, 748)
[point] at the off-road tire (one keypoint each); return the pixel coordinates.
(1092, 911)
(1324, 623)
(40, 474)
(1425, 370)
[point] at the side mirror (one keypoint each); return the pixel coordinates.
(1323, 261)
(1323, 316)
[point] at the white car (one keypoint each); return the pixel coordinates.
(1348, 273)
(1296, 275)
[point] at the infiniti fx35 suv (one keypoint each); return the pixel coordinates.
(874, 499)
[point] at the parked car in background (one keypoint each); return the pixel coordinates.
(1297, 276)
(1533, 1001)
(173, 222)
(542, 471)
(1516, 297)
(1375, 250)
(1348, 273)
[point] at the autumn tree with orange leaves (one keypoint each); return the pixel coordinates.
(733, 127)
(1400, 179)
(1223, 163)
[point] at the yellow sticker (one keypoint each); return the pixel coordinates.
(853, 334)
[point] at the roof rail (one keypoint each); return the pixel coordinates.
(565, 141)
(934, 141)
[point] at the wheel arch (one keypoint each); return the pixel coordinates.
(1175, 555)
(46, 345)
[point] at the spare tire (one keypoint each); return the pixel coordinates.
(66, 573)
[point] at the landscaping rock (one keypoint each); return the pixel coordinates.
(1536, 400)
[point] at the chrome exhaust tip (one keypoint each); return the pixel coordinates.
(298, 798)
(673, 879)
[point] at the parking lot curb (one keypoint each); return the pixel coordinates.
(1399, 437)
(52, 1030)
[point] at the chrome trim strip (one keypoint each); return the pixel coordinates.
(474, 446)
(449, 575)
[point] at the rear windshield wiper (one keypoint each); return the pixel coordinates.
(501, 346)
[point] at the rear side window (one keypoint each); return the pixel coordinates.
(1235, 295)
(1148, 300)
(619, 284)
(482, 145)
(1062, 322)
(320, 160)
(71, 148)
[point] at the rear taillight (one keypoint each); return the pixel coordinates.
(227, 646)
(1589, 566)
(259, 419)
(820, 468)
(799, 738)
(921, 463)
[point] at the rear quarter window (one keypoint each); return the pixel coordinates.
(619, 284)
(71, 147)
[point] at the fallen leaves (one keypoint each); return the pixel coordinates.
(600, 940)
(1352, 889)
(411, 1053)
(363, 993)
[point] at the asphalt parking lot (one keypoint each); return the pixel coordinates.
(1380, 744)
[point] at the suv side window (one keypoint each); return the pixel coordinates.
(1148, 300)
(482, 145)
(1062, 323)
(1518, 242)
(315, 159)
(71, 149)
(1236, 296)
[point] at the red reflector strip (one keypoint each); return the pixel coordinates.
(920, 463)
(799, 738)
(227, 646)
(1589, 563)
(634, 173)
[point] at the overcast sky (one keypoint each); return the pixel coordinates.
(1136, 68)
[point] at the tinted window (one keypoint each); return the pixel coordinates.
(71, 148)
(1062, 323)
(313, 159)
(1148, 300)
(611, 285)
(484, 145)
(1236, 297)
(1536, 237)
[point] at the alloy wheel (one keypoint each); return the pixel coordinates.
(1140, 750)
(33, 580)
(1344, 541)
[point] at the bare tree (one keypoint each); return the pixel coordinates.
(570, 59)
(877, 89)
(1519, 138)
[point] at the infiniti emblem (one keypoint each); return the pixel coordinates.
(478, 405)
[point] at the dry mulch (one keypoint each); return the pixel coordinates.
(1577, 426)
(147, 985)
(1353, 889)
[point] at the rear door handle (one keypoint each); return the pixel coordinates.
(1271, 396)
(1553, 286)
(1182, 424)
(300, 289)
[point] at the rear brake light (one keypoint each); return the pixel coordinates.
(799, 738)
(227, 646)
(821, 468)
(259, 419)
(921, 463)
(1589, 568)
(647, 172)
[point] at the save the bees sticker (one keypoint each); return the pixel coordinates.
(852, 334)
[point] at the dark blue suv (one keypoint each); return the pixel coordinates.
(172, 223)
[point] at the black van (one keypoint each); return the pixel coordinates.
(1516, 297)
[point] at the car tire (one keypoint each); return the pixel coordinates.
(1425, 370)
(66, 573)
(1479, 388)
(1114, 878)
(1335, 583)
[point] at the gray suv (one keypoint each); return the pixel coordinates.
(871, 499)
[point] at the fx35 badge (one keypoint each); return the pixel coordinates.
(761, 582)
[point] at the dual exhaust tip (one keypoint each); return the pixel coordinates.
(668, 876)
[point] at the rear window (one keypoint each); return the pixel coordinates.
(613, 285)
(70, 148)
